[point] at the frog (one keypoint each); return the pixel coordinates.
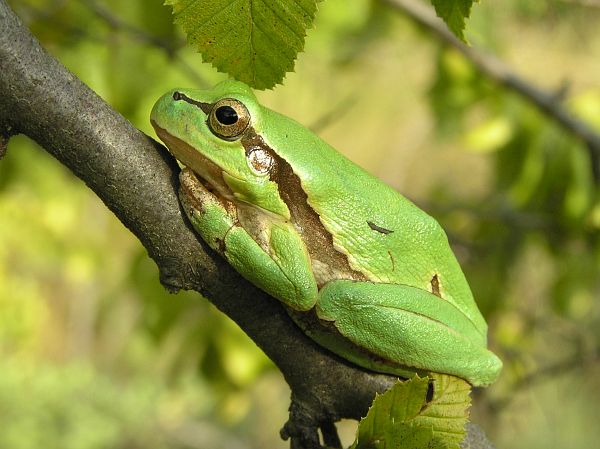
(362, 270)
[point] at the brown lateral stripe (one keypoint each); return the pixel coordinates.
(317, 239)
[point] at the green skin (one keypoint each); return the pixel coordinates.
(360, 268)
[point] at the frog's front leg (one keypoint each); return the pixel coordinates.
(406, 326)
(279, 264)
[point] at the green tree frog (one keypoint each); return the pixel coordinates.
(361, 269)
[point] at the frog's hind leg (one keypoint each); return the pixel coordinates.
(407, 326)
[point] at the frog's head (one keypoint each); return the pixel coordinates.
(216, 133)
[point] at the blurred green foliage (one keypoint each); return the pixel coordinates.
(94, 353)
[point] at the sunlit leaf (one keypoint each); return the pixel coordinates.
(404, 418)
(255, 41)
(454, 13)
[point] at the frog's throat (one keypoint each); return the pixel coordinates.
(209, 173)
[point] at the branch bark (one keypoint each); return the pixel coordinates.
(137, 180)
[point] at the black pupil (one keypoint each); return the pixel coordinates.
(226, 115)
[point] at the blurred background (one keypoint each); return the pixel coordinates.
(95, 354)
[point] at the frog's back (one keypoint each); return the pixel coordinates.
(383, 235)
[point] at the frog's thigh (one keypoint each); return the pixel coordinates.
(408, 326)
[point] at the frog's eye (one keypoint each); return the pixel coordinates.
(228, 118)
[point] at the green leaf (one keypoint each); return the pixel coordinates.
(454, 13)
(402, 418)
(254, 41)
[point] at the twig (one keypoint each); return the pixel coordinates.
(544, 373)
(546, 102)
(138, 34)
(336, 112)
(116, 23)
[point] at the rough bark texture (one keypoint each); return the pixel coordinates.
(137, 180)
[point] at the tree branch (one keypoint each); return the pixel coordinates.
(548, 103)
(137, 180)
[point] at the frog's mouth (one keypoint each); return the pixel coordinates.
(209, 174)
